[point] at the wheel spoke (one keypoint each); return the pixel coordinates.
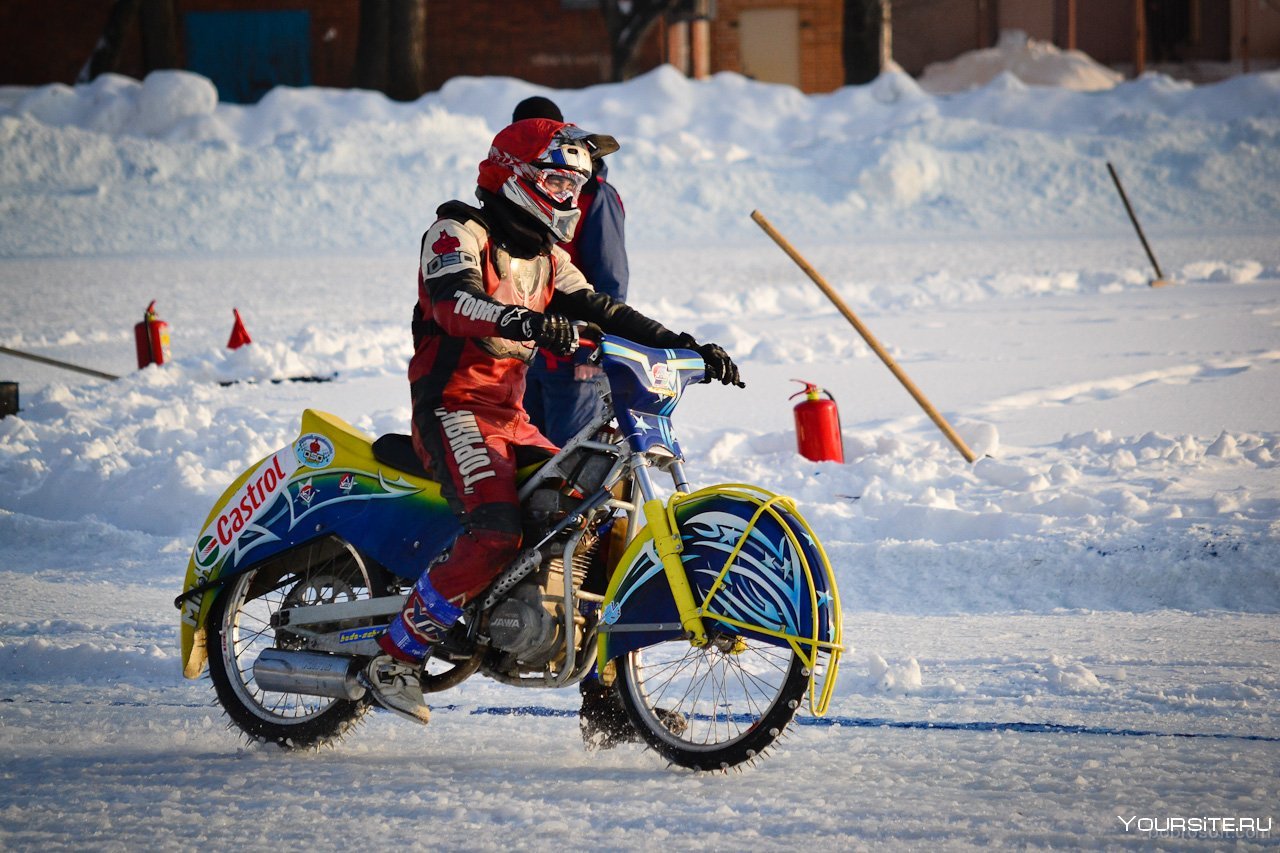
(733, 697)
(248, 629)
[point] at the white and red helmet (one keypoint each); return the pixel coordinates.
(541, 165)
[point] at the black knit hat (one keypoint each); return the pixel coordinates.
(536, 107)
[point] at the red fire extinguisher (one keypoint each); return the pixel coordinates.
(152, 338)
(818, 425)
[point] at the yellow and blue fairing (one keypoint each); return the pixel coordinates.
(753, 564)
(323, 484)
(756, 570)
(646, 385)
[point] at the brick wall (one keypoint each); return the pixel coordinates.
(821, 27)
(545, 43)
(534, 40)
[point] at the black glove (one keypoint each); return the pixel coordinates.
(554, 333)
(719, 365)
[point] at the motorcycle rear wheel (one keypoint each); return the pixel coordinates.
(715, 707)
(240, 629)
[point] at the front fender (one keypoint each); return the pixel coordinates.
(756, 569)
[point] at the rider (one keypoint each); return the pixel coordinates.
(562, 395)
(492, 287)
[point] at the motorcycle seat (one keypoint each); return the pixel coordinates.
(397, 451)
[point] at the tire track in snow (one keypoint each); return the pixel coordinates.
(1105, 389)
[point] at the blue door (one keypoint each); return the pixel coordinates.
(246, 54)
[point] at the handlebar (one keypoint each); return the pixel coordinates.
(589, 334)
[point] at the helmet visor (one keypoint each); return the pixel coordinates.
(560, 185)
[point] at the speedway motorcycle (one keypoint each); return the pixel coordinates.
(714, 613)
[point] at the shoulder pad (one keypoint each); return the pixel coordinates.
(460, 211)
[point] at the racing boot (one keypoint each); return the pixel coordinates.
(397, 686)
(394, 678)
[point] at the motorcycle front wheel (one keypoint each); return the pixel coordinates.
(240, 629)
(715, 707)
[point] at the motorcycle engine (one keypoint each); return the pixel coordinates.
(521, 626)
(527, 627)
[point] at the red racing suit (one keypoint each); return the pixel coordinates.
(467, 381)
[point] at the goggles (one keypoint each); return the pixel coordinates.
(560, 185)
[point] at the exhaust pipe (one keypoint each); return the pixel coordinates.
(312, 673)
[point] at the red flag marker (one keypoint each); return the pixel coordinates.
(239, 335)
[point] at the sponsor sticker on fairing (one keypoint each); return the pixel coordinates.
(314, 450)
(250, 502)
(663, 379)
(612, 613)
(208, 551)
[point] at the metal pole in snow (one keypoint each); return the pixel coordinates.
(88, 371)
(1159, 280)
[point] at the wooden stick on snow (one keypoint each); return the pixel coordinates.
(866, 336)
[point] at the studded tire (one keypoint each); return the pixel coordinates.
(716, 707)
(239, 629)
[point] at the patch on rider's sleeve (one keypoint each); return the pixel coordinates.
(448, 248)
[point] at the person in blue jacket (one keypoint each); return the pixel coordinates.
(561, 394)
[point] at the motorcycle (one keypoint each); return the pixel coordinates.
(713, 614)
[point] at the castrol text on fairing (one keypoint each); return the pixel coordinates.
(246, 505)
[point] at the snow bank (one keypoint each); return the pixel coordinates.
(1033, 62)
(122, 166)
(261, 201)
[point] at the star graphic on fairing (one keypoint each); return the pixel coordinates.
(642, 424)
(729, 534)
(783, 568)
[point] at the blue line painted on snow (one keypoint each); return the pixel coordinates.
(524, 711)
(1028, 728)
(875, 723)
(820, 722)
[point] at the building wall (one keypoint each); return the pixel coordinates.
(535, 40)
(335, 28)
(1033, 17)
(1105, 30)
(821, 25)
(49, 42)
(939, 30)
(562, 43)
(52, 40)
(1264, 29)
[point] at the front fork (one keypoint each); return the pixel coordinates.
(666, 539)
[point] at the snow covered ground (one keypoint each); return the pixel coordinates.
(1070, 643)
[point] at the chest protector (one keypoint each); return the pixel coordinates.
(516, 281)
